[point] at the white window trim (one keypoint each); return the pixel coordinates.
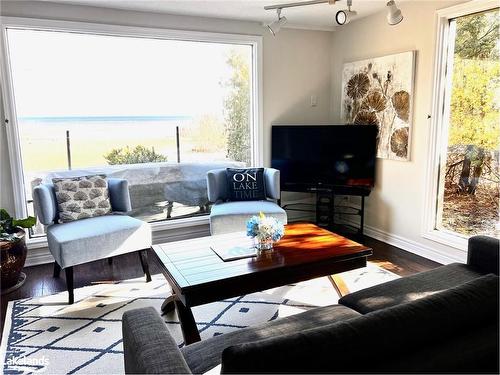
(438, 133)
(256, 116)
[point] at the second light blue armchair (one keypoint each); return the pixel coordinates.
(95, 238)
(228, 217)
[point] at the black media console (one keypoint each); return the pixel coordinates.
(341, 217)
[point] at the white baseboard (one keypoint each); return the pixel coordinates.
(41, 254)
(412, 246)
(406, 244)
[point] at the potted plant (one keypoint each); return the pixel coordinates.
(13, 250)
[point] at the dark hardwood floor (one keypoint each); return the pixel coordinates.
(394, 259)
(40, 281)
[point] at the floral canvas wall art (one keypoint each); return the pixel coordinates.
(379, 92)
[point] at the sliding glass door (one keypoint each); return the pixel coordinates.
(469, 187)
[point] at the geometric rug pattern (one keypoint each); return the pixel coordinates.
(45, 335)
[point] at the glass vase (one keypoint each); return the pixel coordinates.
(264, 244)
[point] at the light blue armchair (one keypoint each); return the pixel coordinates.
(87, 240)
(228, 217)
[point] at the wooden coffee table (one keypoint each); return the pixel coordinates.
(198, 275)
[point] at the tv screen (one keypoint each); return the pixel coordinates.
(311, 157)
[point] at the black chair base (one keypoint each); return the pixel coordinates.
(143, 257)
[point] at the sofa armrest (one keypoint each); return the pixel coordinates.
(272, 181)
(216, 185)
(482, 254)
(119, 195)
(148, 346)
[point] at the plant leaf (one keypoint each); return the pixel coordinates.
(4, 215)
(8, 237)
(6, 225)
(24, 223)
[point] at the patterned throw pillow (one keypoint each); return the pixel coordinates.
(82, 197)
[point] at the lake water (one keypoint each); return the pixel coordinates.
(44, 147)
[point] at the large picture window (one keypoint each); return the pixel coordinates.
(157, 111)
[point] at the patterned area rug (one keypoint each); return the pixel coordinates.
(44, 335)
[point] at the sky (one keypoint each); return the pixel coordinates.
(71, 74)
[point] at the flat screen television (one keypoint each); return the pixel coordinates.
(324, 157)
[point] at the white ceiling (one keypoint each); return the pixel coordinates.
(320, 16)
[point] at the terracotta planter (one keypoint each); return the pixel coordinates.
(13, 256)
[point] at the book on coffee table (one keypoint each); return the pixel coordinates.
(234, 252)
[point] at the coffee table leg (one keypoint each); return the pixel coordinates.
(339, 285)
(169, 304)
(188, 325)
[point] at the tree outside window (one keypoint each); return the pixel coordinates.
(471, 176)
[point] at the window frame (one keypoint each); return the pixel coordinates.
(438, 135)
(12, 130)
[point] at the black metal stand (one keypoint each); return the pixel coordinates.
(345, 219)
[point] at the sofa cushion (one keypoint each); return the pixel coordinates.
(385, 340)
(409, 288)
(232, 216)
(204, 355)
(100, 237)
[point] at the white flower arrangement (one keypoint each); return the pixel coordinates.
(265, 228)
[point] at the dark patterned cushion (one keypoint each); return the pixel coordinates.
(245, 184)
(82, 197)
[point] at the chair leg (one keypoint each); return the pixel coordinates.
(57, 270)
(143, 256)
(69, 284)
(110, 261)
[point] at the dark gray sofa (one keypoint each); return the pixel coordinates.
(443, 320)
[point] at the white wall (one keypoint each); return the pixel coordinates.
(394, 209)
(296, 64)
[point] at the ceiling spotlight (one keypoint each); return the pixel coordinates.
(394, 15)
(275, 26)
(343, 17)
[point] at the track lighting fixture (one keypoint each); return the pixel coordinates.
(394, 15)
(342, 17)
(275, 26)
